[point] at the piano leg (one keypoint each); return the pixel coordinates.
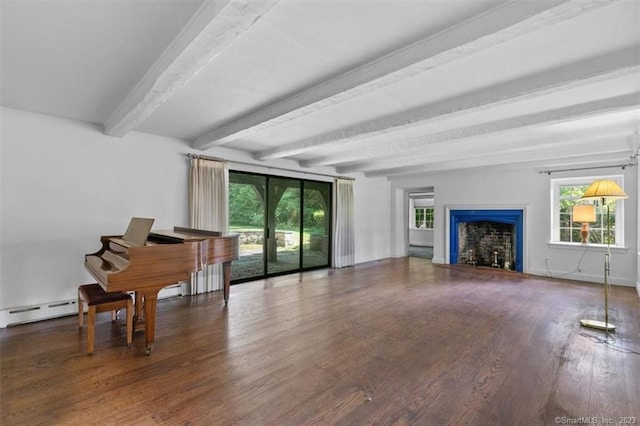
(138, 302)
(150, 303)
(226, 274)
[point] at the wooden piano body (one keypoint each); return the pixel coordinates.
(167, 257)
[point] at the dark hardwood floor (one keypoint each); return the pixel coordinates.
(397, 341)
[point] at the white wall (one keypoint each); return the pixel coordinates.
(399, 208)
(64, 184)
(421, 237)
(530, 190)
(372, 219)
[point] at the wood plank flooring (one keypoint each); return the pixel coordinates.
(393, 342)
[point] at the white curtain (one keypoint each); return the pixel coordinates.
(344, 240)
(208, 207)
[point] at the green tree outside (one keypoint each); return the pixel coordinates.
(570, 231)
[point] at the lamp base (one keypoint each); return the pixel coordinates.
(584, 233)
(600, 325)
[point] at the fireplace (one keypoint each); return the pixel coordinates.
(491, 238)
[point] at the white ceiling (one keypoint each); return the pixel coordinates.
(386, 88)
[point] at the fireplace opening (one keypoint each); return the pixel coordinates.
(486, 243)
(488, 238)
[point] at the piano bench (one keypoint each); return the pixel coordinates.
(98, 300)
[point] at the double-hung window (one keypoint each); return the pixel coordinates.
(423, 217)
(565, 193)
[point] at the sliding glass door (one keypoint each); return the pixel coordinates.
(247, 200)
(284, 224)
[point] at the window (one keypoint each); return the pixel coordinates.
(423, 217)
(565, 194)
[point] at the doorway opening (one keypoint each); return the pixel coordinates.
(421, 223)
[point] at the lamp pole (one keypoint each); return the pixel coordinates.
(604, 189)
(607, 269)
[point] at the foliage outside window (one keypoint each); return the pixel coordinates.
(423, 217)
(566, 194)
(246, 209)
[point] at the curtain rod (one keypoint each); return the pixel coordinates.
(267, 167)
(623, 166)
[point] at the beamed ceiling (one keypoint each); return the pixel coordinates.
(384, 88)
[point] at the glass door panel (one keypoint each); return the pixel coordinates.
(283, 225)
(247, 204)
(316, 224)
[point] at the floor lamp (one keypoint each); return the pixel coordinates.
(603, 190)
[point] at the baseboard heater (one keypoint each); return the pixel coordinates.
(51, 310)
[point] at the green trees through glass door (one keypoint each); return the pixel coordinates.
(284, 224)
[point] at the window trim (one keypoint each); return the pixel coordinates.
(554, 236)
(413, 216)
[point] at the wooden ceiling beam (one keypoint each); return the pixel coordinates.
(215, 26)
(547, 155)
(416, 146)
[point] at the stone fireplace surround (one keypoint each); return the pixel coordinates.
(500, 224)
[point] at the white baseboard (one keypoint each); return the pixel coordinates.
(581, 277)
(51, 310)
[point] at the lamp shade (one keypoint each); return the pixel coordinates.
(604, 188)
(584, 213)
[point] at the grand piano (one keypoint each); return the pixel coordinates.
(165, 258)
